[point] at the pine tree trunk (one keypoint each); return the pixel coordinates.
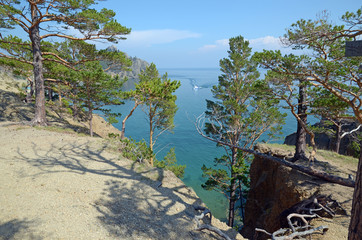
(301, 137)
(39, 117)
(233, 187)
(29, 95)
(338, 138)
(151, 136)
(126, 118)
(91, 123)
(355, 226)
(50, 93)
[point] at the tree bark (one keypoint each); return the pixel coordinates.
(301, 137)
(30, 93)
(50, 93)
(338, 137)
(151, 136)
(355, 226)
(126, 118)
(39, 117)
(233, 187)
(91, 123)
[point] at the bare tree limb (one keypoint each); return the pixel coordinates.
(276, 235)
(201, 227)
(308, 170)
(352, 131)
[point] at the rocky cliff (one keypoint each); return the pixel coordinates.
(326, 139)
(137, 66)
(275, 188)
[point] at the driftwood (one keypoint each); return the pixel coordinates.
(315, 206)
(300, 212)
(200, 226)
(276, 235)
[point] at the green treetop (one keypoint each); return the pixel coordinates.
(156, 95)
(41, 20)
(242, 112)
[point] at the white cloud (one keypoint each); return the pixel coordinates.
(257, 44)
(219, 44)
(268, 42)
(158, 36)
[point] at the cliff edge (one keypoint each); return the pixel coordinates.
(275, 188)
(59, 183)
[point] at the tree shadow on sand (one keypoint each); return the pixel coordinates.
(17, 229)
(137, 202)
(13, 109)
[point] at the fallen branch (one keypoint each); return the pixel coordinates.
(308, 170)
(200, 226)
(302, 217)
(276, 235)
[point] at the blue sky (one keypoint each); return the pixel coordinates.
(194, 33)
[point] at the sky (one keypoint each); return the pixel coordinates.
(195, 33)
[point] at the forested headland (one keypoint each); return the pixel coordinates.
(67, 73)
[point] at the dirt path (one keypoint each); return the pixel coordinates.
(62, 186)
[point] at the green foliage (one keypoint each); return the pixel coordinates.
(220, 179)
(169, 162)
(113, 135)
(243, 111)
(355, 148)
(326, 65)
(96, 89)
(68, 14)
(155, 94)
(136, 151)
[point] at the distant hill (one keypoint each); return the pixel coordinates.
(137, 66)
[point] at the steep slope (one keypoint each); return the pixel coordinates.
(275, 188)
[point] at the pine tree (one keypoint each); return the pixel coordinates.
(41, 20)
(95, 90)
(242, 112)
(326, 66)
(155, 94)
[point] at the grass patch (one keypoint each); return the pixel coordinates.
(281, 146)
(60, 130)
(329, 155)
(323, 155)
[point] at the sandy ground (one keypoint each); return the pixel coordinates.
(63, 186)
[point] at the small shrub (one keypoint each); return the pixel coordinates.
(169, 162)
(113, 135)
(354, 148)
(136, 151)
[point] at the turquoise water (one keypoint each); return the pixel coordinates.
(191, 149)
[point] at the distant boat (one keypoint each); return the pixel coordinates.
(196, 87)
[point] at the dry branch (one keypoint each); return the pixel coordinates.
(308, 170)
(201, 227)
(276, 235)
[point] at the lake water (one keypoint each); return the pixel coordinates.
(191, 149)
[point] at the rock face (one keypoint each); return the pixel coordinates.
(271, 192)
(327, 141)
(137, 66)
(275, 188)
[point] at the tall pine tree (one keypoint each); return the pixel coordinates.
(41, 20)
(240, 114)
